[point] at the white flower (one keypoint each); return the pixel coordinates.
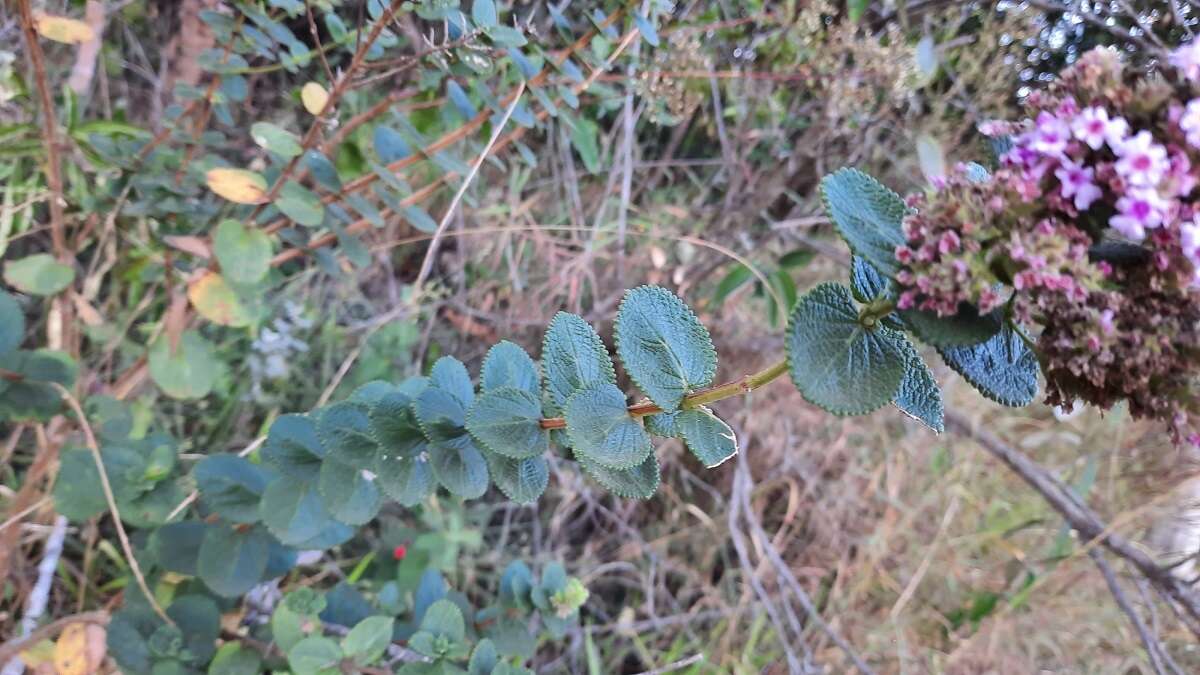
(1142, 161)
(1187, 60)
(1092, 126)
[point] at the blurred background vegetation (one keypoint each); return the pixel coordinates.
(689, 159)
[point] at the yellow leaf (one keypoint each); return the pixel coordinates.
(63, 29)
(216, 301)
(36, 655)
(237, 185)
(314, 97)
(70, 652)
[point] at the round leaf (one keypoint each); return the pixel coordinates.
(12, 323)
(836, 362)
(1003, 368)
(640, 482)
(293, 512)
(275, 139)
(314, 97)
(603, 431)
(350, 496)
(231, 562)
(408, 480)
(573, 357)
(507, 365)
(231, 486)
(460, 469)
(244, 254)
(663, 346)
(39, 274)
(707, 436)
(507, 421)
(189, 372)
(369, 639)
(345, 431)
(521, 480)
(300, 204)
(216, 301)
(867, 215)
(292, 447)
(237, 185)
(314, 654)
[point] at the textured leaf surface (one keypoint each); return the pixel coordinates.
(965, 328)
(369, 639)
(507, 421)
(315, 654)
(507, 365)
(603, 431)
(408, 480)
(244, 254)
(395, 427)
(232, 562)
(189, 372)
(834, 361)
(521, 480)
(442, 418)
(663, 424)
(294, 512)
(38, 274)
(444, 619)
(345, 431)
(77, 491)
(450, 375)
(663, 346)
(708, 437)
(293, 448)
(639, 482)
(1003, 369)
(462, 469)
(231, 486)
(866, 282)
(867, 215)
(919, 395)
(348, 494)
(573, 357)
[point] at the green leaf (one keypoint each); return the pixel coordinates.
(450, 375)
(188, 373)
(389, 144)
(521, 480)
(733, 280)
(836, 362)
(637, 483)
(323, 170)
(867, 215)
(867, 283)
(293, 512)
(646, 28)
(300, 204)
(664, 348)
(445, 620)
(461, 469)
(965, 328)
(12, 323)
(244, 254)
(349, 495)
(34, 398)
(233, 659)
(442, 417)
(663, 424)
(483, 658)
(483, 13)
(1003, 368)
(346, 433)
(273, 138)
(462, 102)
(507, 421)
(292, 447)
(315, 655)
(573, 357)
(505, 36)
(199, 621)
(231, 486)
(394, 426)
(707, 436)
(420, 219)
(78, 494)
(507, 365)
(584, 134)
(408, 480)
(231, 562)
(919, 396)
(176, 546)
(39, 274)
(856, 9)
(603, 431)
(368, 640)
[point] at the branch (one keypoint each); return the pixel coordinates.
(1151, 644)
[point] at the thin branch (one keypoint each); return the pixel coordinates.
(1151, 643)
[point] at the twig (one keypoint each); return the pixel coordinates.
(35, 603)
(677, 665)
(16, 517)
(1151, 644)
(427, 263)
(90, 439)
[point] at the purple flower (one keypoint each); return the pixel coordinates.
(1092, 126)
(1189, 241)
(1077, 181)
(1139, 209)
(1187, 60)
(1051, 135)
(1142, 161)
(1189, 122)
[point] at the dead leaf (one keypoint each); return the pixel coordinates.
(63, 29)
(88, 314)
(38, 654)
(176, 319)
(197, 246)
(237, 185)
(80, 649)
(314, 97)
(216, 301)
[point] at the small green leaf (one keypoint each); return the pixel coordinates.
(442, 417)
(507, 421)
(315, 655)
(836, 362)
(389, 144)
(708, 437)
(176, 546)
(603, 431)
(461, 469)
(505, 36)
(420, 219)
(1003, 368)
(584, 134)
(663, 346)
(350, 496)
(646, 28)
(244, 254)
(394, 426)
(733, 280)
(483, 13)
(867, 283)
(275, 139)
(39, 274)
(346, 433)
(640, 482)
(663, 424)
(369, 639)
(507, 365)
(462, 102)
(323, 170)
(233, 659)
(292, 447)
(919, 396)
(483, 658)
(231, 562)
(293, 512)
(300, 204)
(450, 375)
(867, 215)
(78, 494)
(521, 480)
(12, 323)
(573, 357)
(188, 373)
(445, 620)
(231, 486)
(967, 327)
(408, 480)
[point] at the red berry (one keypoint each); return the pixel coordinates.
(399, 552)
